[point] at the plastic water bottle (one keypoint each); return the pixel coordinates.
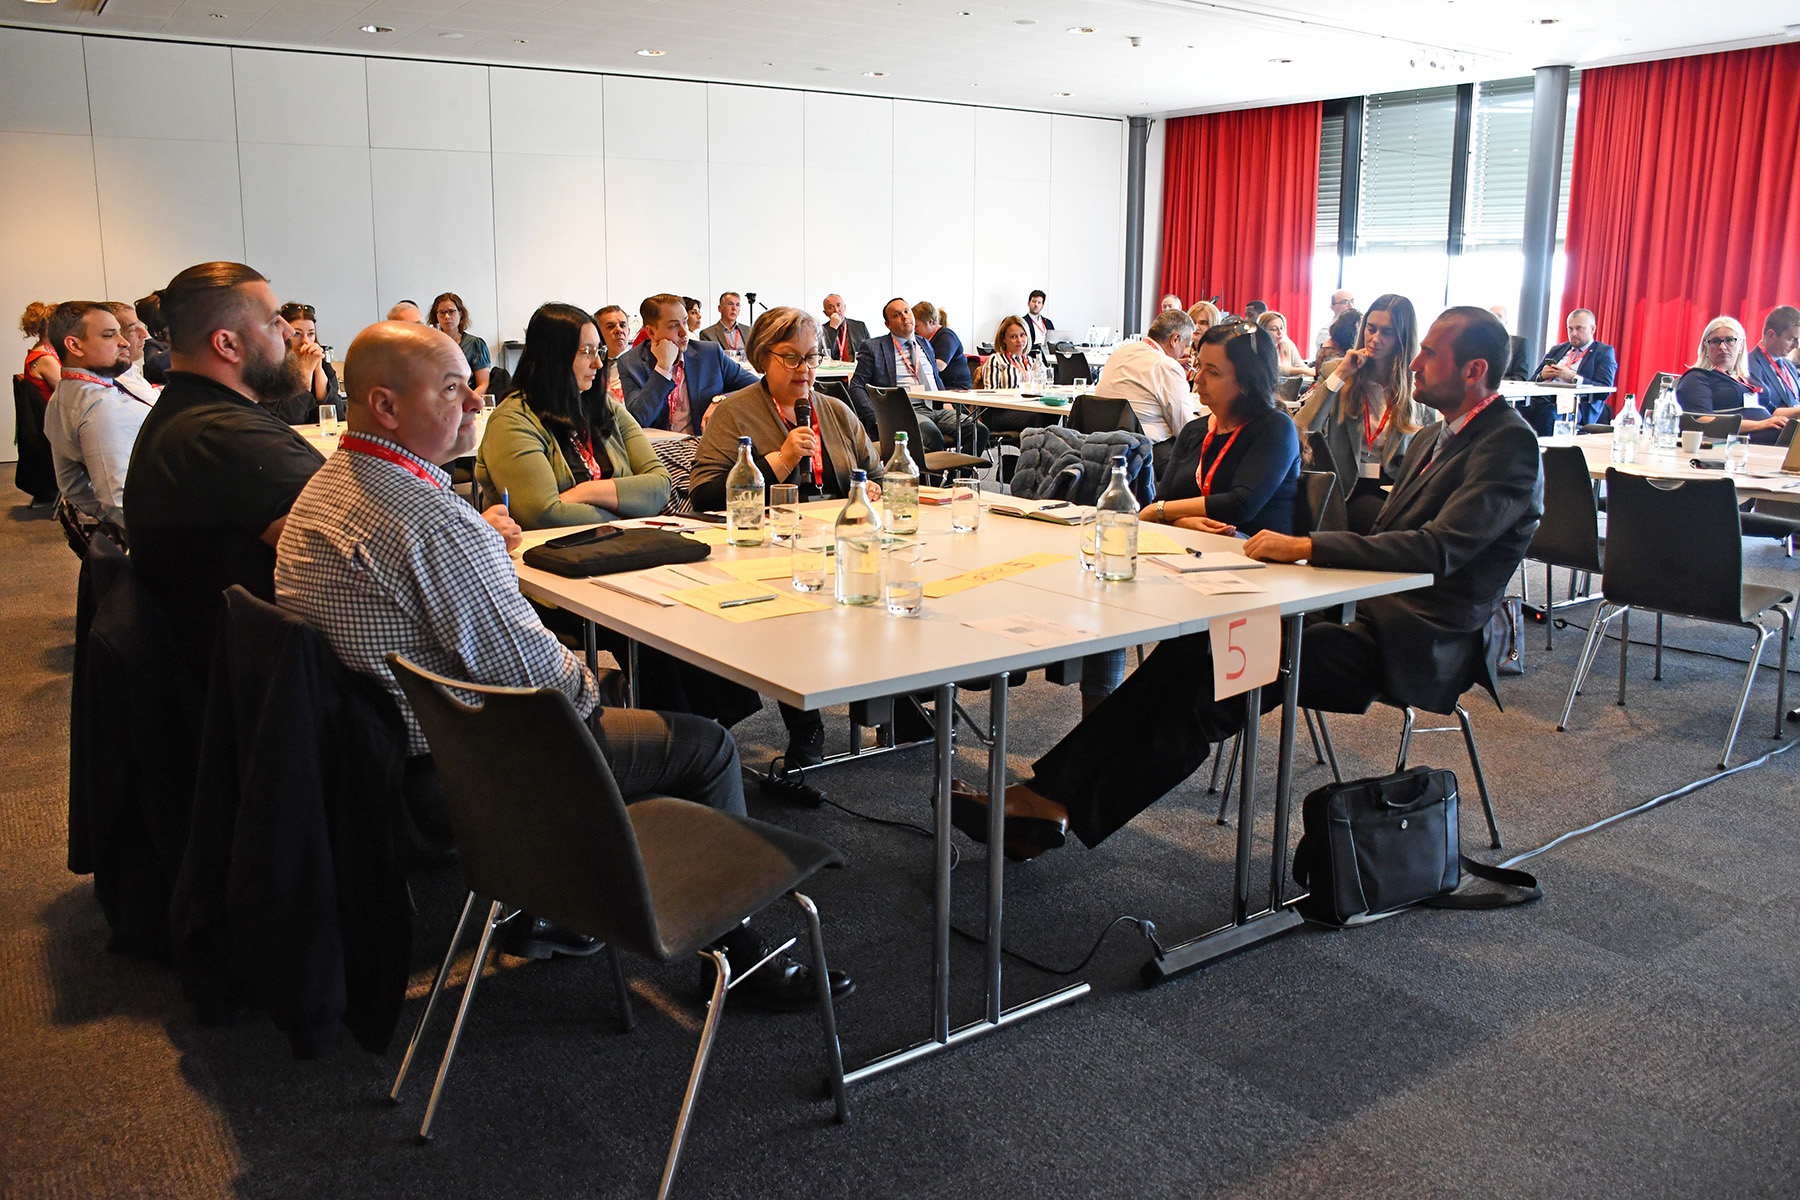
(1116, 527)
(900, 492)
(1625, 432)
(1668, 422)
(858, 534)
(744, 500)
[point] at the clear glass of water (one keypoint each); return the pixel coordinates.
(965, 505)
(1563, 430)
(808, 552)
(1085, 533)
(1081, 383)
(904, 586)
(1737, 454)
(328, 424)
(784, 512)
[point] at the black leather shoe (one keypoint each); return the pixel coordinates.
(782, 986)
(806, 744)
(1026, 836)
(527, 936)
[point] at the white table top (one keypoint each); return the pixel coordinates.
(812, 660)
(1010, 398)
(1763, 478)
(1518, 389)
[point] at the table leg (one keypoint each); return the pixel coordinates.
(1240, 893)
(631, 674)
(940, 932)
(996, 857)
(590, 648)
(1284, 766)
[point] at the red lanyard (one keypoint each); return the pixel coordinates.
(1368, 437)
(585, 448)
(83, 376)
(843, 341)
(1438, 452)
(357, 444)
(1020, 371)
(1205, 480)
(737, 339)
(675, 393)
(818, 458)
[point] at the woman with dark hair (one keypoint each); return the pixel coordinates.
(1365, 407)
(451, 315)
(319, 385)
(560, 449)
(1240, 469)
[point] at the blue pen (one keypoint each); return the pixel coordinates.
(506, 499)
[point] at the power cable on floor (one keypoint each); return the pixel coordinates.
(1145, 926)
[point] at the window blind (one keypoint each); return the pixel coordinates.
(1405, 197)
(1331, 166)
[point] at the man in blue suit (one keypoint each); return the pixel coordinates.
(670, 380)
(1581, 359)
(1771, 370)
(1037, 326)
(900, 359)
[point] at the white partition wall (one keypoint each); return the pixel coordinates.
(354, 182)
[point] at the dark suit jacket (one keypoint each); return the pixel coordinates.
(1600, 365)
(1515, 363)
(1777, 390)
(1038, 344)
(875, 365)
(1467, 521)
(711, 373)
(857, 332)
(716, 333)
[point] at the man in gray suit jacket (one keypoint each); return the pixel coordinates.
(727, 331)
(1464, 507)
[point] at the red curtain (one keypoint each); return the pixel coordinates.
(1685, 202)
(1240, 200)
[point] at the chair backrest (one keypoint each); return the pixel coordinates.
(499, 382)
(837, 389)
(1288, 390)
(1095, 414)
(1674, 546)
(1786, 436)
(1713, 425)
(1320, 452)
(894, 414)
(1070, 367)
(1323, 508)
(538, 818)
(1568, 535)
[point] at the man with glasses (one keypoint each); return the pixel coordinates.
(671, 380)
(1342, 301)
(1581, 359)
(1151, 375)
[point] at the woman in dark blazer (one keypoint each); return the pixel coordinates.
(1719, 382)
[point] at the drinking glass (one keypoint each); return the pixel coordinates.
(1563, 429)
(784, 512)
(1737, 454)
(1080, 382)
(1085, 532)
(965, 505)
(809, 549)
(328, 419)
(904, 588)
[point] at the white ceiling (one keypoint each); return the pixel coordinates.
(1193, 54)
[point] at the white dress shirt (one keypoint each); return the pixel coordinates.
(1155, 384)
(92, 427)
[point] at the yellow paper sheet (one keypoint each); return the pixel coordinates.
(1152, 540)
(708, 599)
(774, 566)
(710, 537)
(988, 574)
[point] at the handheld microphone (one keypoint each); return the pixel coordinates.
(803, 416)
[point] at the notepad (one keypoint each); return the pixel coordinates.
(786, 603)
(1210, 560)
(1057, 512)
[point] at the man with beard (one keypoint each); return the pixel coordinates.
(93, 417)
(1464, 506)
(214, 472)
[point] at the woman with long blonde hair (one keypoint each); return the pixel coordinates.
(1719, 382)
(1366, 410)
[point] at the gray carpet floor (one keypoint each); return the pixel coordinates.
(1634, 1033)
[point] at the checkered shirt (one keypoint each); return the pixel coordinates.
(378, 559)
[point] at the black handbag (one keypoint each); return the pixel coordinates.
(618, 550)
(1372, 847)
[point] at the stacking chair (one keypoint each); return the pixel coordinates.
(1071, 366)
(1569, 534)
(35, 472)
(894, 414)
(1319, 451)
(1102, 414)
(540, 824)
(1673, 546)
(1720, 426)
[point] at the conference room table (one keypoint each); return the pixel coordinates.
(1762, 478)
(1050, 613)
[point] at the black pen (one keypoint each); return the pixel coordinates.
(747, 600)
(1058, 504)
(1193, 551)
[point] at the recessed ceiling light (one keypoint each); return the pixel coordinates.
(874, 74)
(1025, 21)
(1548, 21)
(378, 29)
(450, 35)
(216, 16)
(651, 53)
(822, 70)
(1081, 29)
(519, 42)
(961, 12)
(1281, 62)
(40, 1)
(1061, 95)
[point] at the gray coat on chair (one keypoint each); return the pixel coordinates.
(1061, 463)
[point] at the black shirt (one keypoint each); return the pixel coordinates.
(1255, 482)
(1705, 390)
(302, 408)
(211, 470)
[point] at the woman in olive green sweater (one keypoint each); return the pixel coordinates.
(560, 450)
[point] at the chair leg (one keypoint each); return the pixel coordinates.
(1313, 732)
(1787, 623)
(437, 989)
(1218, 757)
(1481, 784)
(1624, 648)
(1337, 776)
(834, 1054)
(627, 1018)
(1549, 607)
(1657, 674)
(1763, 634)
(1410, 716)
(721, 981)
(1590, 651)
(1237, 744)
(462, 1014)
